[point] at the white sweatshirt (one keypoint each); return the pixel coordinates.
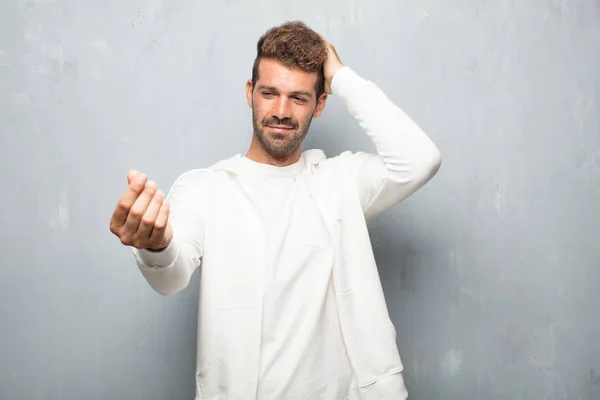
(302, 353)
(291, 305)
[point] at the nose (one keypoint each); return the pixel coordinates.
(282, 109)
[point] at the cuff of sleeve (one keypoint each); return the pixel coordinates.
(152, 259)
(341, 79)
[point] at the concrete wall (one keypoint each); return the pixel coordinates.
(491, 272)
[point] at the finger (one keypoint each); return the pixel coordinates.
(334, 53)
(139, 207)
(149, 217)
(131, 175)
(127, 200)
(160, 225)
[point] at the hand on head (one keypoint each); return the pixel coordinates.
(332, 65)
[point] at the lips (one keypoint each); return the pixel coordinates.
(280, 128)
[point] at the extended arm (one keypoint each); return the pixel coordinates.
(168, 271)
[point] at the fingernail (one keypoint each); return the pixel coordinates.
(159, 193)
(141, 178)
(151, 184)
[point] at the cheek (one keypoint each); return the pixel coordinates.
(260, 109)
(305, 116)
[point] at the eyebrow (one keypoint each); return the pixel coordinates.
(296, 92)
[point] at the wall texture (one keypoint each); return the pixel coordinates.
(491, 271)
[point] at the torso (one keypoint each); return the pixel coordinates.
(302, 355)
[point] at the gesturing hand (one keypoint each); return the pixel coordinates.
(142, 214)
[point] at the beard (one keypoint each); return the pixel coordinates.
(280, 144)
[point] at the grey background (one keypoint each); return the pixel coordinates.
(491, 271)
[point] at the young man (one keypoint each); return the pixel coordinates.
(291, 306)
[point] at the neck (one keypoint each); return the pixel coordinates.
(258, 153)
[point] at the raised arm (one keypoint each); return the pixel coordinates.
(406, 157)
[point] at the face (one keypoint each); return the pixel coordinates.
(283, 105)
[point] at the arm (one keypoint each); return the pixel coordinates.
(169, 270)
(406, 158)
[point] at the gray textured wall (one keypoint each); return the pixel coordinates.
(491, 272)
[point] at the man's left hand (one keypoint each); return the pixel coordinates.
(331, 66)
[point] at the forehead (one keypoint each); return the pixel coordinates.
(273, 73)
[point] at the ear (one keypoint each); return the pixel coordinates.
(249, 92)
(320, 105)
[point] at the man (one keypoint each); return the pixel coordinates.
(291, 306)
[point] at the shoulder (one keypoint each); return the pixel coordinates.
(346, 162)
(333, 171)
(198, 178)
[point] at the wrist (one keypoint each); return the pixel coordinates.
(336, 68)
(161, 247)
(340, 79)
(157, 258)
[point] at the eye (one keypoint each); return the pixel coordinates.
(268, 94)
(298, 98)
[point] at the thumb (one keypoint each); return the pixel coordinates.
(131, 175)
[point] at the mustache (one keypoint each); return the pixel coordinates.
(280, 122)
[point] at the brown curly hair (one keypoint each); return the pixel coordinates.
(296, 46)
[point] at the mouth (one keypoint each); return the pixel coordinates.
(279, 128)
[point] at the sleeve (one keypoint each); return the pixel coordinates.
(169, 271)
(406, 157)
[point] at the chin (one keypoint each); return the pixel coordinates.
(278, 151)
(281, 151)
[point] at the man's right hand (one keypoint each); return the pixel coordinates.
(141, 218)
